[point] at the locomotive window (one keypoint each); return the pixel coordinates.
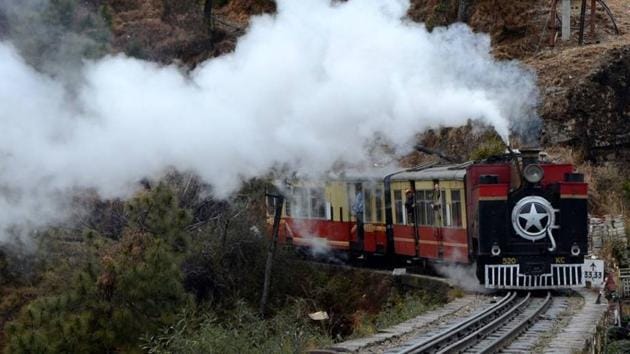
(456, 208)
(379, 205)
(399, 207)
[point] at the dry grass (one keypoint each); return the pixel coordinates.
(606, 182)
(605, 188)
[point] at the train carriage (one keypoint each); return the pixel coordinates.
(523, 222)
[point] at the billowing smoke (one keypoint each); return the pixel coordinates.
(462, 275)
(306, 88)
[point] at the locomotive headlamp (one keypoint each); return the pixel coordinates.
(533, 173)
(495, 250)
(575, 250)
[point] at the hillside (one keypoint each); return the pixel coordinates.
(576, 82)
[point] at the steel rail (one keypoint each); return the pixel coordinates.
(442, 338)
(484, 331)
(501, 342)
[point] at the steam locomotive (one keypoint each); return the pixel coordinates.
(520, 220)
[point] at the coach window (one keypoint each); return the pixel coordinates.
(398, 205)
(352, 196)
(424, 202)
(444, 214)
(317, 203)
(367, 205)
(421, 207)
(301, 203)
(456, 207)
(287, 206)
(379, 205)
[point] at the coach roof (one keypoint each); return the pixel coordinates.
(444, 172)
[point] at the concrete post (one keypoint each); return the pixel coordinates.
(566, 20)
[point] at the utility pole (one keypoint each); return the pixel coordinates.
(566, 20)
(278, 201)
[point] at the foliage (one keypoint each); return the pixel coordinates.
(109, 305)
(135, 287)
(17, 266)
(218, 270)
(443, 13)
(456, 293)
(616, 333)
(606, 188)
(106, 14)
(618, 347)
(241, 332)
(136, 50)
(491, 146)
(405, 306)
(102, 288)
(158, 213)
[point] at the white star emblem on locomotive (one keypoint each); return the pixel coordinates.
(531, 217)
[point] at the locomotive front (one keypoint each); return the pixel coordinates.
(530, 225)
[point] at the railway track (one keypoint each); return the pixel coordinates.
(484, 332)
(514, 323)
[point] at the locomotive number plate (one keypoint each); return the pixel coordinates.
(509, 260)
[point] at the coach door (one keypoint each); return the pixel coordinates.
(404, 219)
(429, 218)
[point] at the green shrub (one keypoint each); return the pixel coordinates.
(492, 146)
(618, 347)
(289, 331)
(616, 333)
(108, 306)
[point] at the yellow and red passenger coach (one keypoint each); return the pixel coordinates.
(320, 214)
(521, 220)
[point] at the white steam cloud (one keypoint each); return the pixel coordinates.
(305, 88)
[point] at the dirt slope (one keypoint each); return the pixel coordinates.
(586, 100)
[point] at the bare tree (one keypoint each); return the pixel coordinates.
(207, 14)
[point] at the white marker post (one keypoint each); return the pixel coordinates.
(593, 271)
(566, 20)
